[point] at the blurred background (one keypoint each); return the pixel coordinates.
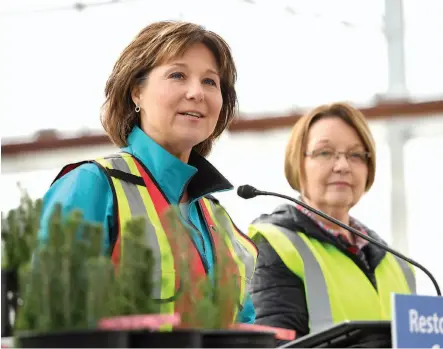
(386, 57)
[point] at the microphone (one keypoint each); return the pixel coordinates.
(249, 192)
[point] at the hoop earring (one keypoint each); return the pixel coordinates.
(137, 109)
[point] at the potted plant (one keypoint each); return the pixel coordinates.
(133, 306)
(73, 296)
(18, 240)
(64, 289)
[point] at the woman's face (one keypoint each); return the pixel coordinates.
(181, 100)
(335, 165)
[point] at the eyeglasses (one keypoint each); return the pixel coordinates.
(327, 155)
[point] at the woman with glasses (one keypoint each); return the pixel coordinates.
(311, 273)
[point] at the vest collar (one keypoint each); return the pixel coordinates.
(199, 176)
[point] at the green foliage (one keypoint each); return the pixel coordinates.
(132, 291)
(65, 286)
(19, 232)
(71, 285)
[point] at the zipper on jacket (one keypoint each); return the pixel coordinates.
(200, 235)
(194, 228)
(211, 240)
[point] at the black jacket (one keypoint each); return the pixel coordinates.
(277, 293)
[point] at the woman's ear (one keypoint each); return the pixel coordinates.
(137, 89)
(135, 95)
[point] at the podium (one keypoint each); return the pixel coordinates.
(348, 334)
(417, 322)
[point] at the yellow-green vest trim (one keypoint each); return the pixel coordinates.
(136, 194)
(331, 279)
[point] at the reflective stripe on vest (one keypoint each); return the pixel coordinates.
(243, 250)
(298, 253)
(409, 274)
(136, 200)
(145, 199)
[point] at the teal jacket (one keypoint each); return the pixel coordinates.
(87, 188)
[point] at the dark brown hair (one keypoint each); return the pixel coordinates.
(154, 45)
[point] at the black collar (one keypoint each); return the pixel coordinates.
(207, 180)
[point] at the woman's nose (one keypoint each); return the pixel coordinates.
(195, 91)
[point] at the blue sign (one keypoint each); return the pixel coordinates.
(417, 321)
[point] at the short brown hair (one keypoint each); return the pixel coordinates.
(296, 146)
(155, 44)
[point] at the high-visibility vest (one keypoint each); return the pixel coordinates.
(137, 194)
(336, 288)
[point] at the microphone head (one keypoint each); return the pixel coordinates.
(247, 191)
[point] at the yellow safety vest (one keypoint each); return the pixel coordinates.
(332, 280)
(137, 194)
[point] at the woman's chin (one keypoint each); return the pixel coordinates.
(190, 137)
(339, 200)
